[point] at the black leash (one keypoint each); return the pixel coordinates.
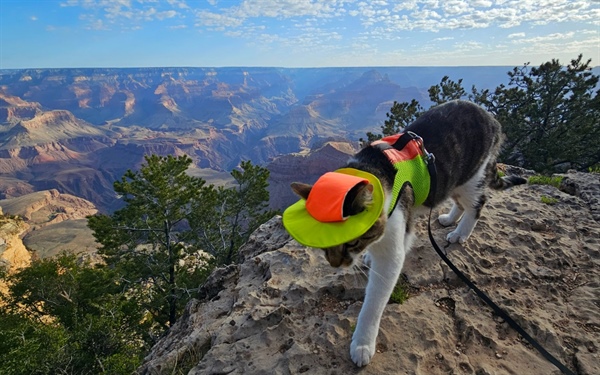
(501, 313)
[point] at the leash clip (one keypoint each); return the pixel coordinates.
(429, 157)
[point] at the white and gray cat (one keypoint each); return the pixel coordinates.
(465, 140)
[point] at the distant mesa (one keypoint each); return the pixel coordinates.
(305, 167)
(55, 222)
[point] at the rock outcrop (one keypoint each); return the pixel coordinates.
(13, 254)
(54, 221)
(284, 310)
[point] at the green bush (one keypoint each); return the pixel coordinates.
(548, 200)
(545, 180)
(400, 293)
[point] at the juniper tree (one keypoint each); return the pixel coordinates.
(65, 316)
(149, 240)
(239, 210)
(399, 116)
(550, 114)
(174, 228)
(446, 91)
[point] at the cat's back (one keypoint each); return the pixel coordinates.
(463, 137)
(465, 120)
(458, 130)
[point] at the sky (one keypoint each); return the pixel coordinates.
(295, 33)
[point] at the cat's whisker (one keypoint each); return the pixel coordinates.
(355, 275)
(360, 274)
(361, 271)
(372, 271)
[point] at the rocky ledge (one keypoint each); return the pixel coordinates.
(284, 310)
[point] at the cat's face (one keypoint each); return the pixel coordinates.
(345, 254)
(357, 200)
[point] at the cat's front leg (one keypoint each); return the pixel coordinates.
(385, 269)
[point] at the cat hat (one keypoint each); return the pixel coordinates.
(319, 220)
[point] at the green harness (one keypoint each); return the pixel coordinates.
(412, 162)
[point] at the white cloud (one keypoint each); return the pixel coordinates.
(97, 24)
(33, 18)
(179, 4)
(480, 3)
(358, 24)
(588, 31)
(454, 7)
(216, 20)
(406, 5)
(516, 35)
(546, 38)
(166, 14)
(433, 15)
(468, 46)
(286, 8)
(426, 15)
(124, 12)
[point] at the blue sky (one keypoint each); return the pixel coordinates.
(295, 33)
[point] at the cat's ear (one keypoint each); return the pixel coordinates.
(301, 189)
(358, 199)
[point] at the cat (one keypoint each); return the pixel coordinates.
(465, 141)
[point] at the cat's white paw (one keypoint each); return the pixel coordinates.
(446, 220)
(457, 236)
(361, 354)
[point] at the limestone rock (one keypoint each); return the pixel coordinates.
(585, 186)
(13, 254)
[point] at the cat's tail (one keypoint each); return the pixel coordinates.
(500, 182)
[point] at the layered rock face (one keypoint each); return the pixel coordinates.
(13, 254)
(284, 310)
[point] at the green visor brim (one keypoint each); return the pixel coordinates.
(310, 232)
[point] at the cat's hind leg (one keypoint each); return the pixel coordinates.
(452, 216)
(471, 197)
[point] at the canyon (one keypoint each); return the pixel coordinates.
(79, 130)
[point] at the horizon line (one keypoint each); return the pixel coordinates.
(268, 67)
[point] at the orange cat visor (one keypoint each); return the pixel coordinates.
(319, 221)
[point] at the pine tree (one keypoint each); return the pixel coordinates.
(174, 228)
(150, 239)
(239, 211)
